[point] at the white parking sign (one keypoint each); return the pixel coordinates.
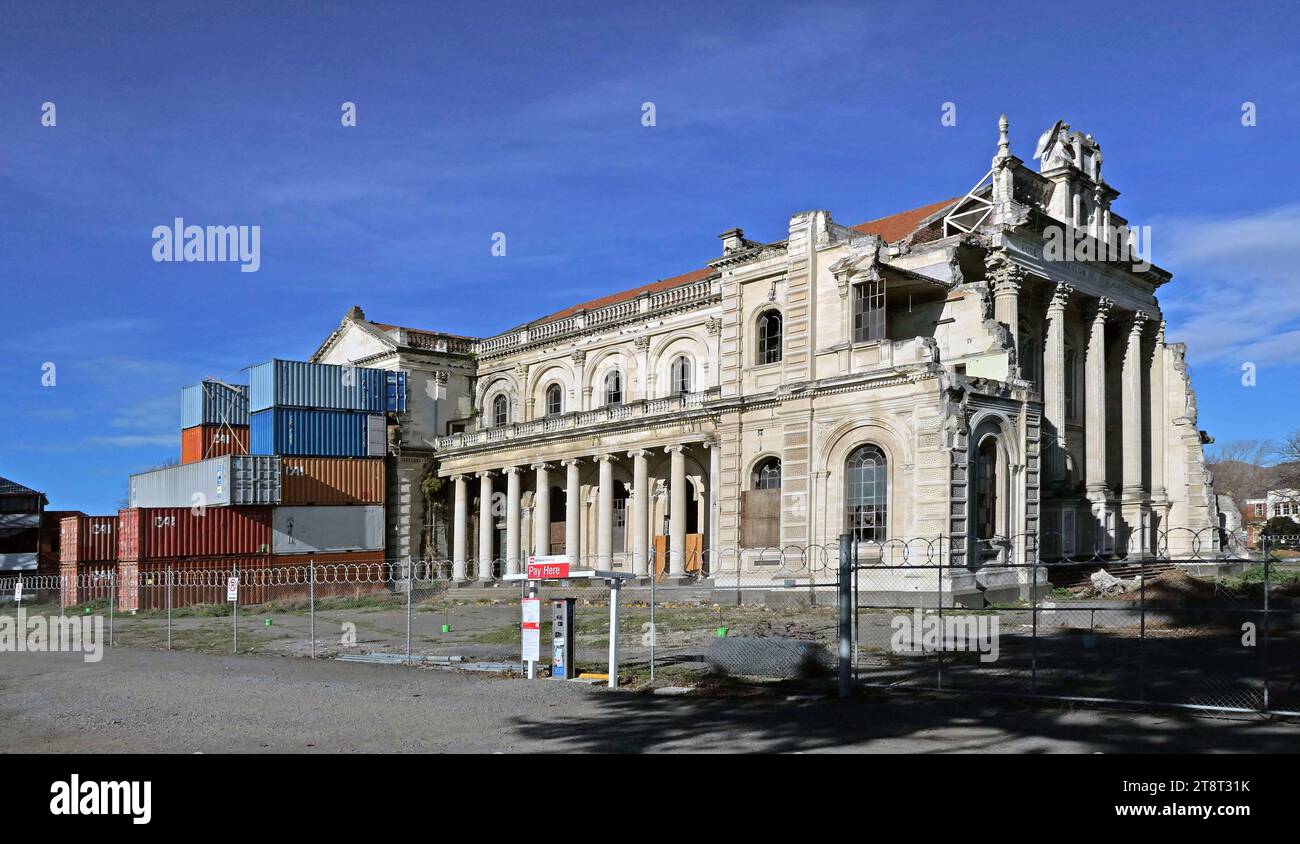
(232, 589)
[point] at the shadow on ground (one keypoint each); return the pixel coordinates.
(775, 719)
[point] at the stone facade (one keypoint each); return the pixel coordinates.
(941, 378)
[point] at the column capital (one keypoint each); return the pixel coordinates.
(539, 466)
(604, 458)
(639, 452)
(486, 473)
(1137, 322)
(679, 448)
(457, 478)
(1101, 310)
(571, 461)
(1061, 294)
(511, 470)
(1003, 275)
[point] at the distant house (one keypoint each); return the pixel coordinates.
(21, 511)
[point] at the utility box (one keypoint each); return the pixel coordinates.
(562, 630)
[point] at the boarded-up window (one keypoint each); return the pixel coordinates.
(760, 518)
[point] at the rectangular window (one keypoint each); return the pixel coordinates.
(869, 311)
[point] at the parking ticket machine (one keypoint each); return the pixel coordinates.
(562, 650)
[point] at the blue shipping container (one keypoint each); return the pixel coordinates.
(320, 386)
(318, 433)
(214, 403)
(396, 395)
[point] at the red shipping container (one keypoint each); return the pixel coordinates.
(144, 585)
(159, 533)
(204, 441)
(87, 539)
(86, 582)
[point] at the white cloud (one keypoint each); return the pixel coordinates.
(1236, 292)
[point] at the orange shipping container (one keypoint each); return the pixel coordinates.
(204, 441)
(331, 480)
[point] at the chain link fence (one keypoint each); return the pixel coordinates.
(1213, 627)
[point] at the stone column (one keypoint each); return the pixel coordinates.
(542, 510)
(605, 513)
(486, 524)
(637, 507)
(1095, 404)
(715, 498)
(1005, 278)
(1098, 490)
(459, 529)
(1158, 420)
(1133, 414)
(512, 520)
(1054, 383)
(677, 511)
(572, 513)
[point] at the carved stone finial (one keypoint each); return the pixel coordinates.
(355, 314)
(1004, 137)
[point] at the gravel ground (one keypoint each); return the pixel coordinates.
(146, 701)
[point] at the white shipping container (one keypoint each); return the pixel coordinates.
(241, 479)
(318, 530)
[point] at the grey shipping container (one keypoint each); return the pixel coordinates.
(319, 386)
(316, 530)
(242, 479)
(214, 403)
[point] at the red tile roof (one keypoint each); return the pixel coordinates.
(892, 228)
(898, 226)
(615, 298)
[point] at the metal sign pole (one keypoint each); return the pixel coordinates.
(169, 608)
(112, 605)
(615, 587)
(234, 613)
(409, 584)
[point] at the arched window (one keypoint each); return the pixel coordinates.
(554, 400)
(767, 474)
(769, 337)
(866, 497)
(680, 375)
(500, 410)
(614, 387)
(760, 506)
(986, 489)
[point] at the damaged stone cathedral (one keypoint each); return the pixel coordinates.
(942, 378)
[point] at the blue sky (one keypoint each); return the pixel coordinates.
(526, 119)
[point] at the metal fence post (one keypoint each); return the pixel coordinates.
(1264, 667)
(169, 608)
(112, 606)
(845, 617)
(654, 631)
(311, 602)
(1142, 633)
(1033, 636)
(234, 612)
(410, 582)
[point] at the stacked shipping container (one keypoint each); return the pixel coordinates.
(311, 490)
(87, 557)
(214, 420)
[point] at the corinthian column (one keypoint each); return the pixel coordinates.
(637, 507)
(542, 510)
(1054, 383)
(486, 525)
(512, 520)
(1158, 420)
(1095, 405)
(572, 513)
(605, 513)
(1005, 279)
(677, 511)
(460, 527)
(1134, 415)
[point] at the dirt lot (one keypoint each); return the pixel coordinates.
(150, 701)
